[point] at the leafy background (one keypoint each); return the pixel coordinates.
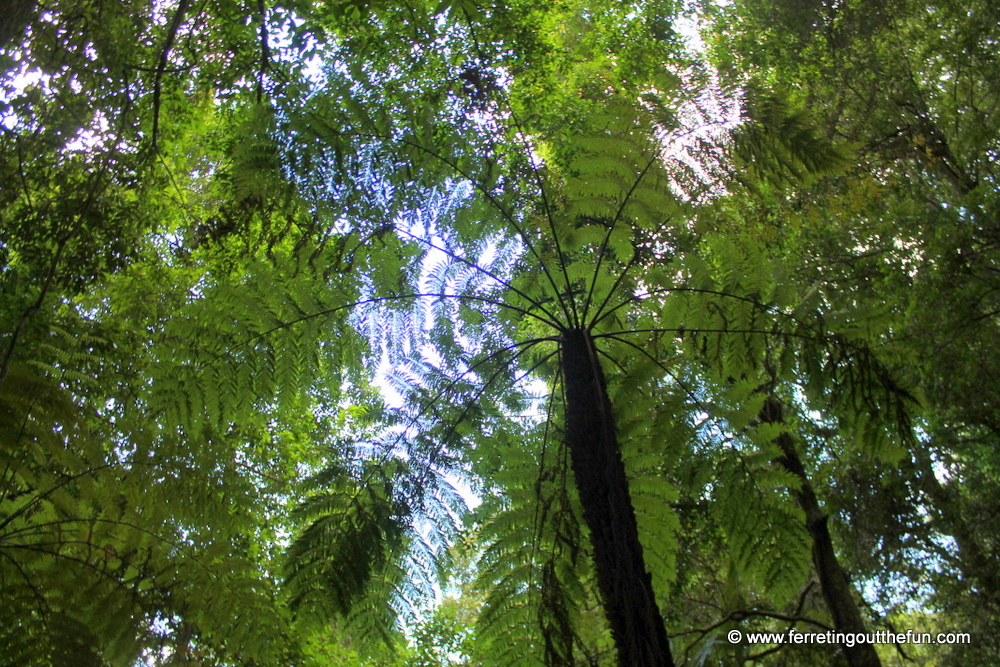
(278, 277)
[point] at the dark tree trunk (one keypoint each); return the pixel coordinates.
(626, 587)
(16, 16)
(833, 580)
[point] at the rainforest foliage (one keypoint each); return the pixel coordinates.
(443, 332)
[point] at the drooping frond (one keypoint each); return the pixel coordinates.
(764, 530)
(533, 570)
(346, 563)
(781, 144)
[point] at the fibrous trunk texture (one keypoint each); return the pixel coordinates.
(625, 585)
(833, 579)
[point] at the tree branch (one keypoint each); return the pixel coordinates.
(175, 25)
(265, 50)
(30, 310)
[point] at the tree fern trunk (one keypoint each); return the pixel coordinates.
(833, 580)
(626, 587)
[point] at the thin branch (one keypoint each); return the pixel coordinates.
(694, 290)
(507, 216)
(43, 603)
(663, 367)
(265, 50)
(683, 330)
(38, 498)
(381, 299)
(24, 179)
(680, 383)
(82, 561)
(576, 320)
(387, 449)
(621, 277)
(727, 439)
(167, 70)
(607, 238)
(743, 614)
(118, 522)
(482, 390)
(424, 409)
(554, 321)
(536, 526)
(30, 310)
(168, 44)
(571, 314)
(526, 344)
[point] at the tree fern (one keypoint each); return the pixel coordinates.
(345, 563)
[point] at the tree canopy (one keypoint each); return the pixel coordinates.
(454, 333)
